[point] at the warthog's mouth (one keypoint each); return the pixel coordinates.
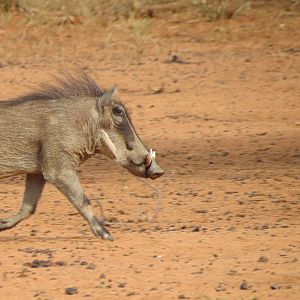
(137, 169)
(148, 168)
(147, 161)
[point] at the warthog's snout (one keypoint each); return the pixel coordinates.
(154, 170)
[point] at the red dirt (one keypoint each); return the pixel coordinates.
(226, 127)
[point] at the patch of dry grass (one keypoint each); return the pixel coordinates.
(63, 11)
(37, 31)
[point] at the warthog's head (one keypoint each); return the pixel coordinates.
(119, 141)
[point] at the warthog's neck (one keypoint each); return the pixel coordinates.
(89, 145)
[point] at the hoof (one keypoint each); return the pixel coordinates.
(100, 231)
(6, 224)
(107, 236)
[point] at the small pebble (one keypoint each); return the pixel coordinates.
(274, 286)
(263, 259)
(71, 291)
(244, 285)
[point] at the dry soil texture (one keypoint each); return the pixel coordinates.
(223, 114)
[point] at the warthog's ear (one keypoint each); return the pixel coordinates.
(107, 97)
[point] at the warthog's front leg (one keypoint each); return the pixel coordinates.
(33, 191)
(67, 182)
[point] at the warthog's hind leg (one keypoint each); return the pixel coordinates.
(33, 191)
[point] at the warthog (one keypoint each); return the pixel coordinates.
(48, 133)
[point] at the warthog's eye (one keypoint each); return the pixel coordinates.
(118, 110)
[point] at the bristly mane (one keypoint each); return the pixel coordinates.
(66, 86)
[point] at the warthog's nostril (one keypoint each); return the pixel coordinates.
(156, 174)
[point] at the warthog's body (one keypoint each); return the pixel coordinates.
(47, 134)
(36, 131)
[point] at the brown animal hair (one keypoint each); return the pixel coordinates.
(66, 86)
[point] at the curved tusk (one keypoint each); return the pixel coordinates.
(105, 139)
(152, 153)
(149, 158)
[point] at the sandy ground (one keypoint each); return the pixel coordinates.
(224, 117)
